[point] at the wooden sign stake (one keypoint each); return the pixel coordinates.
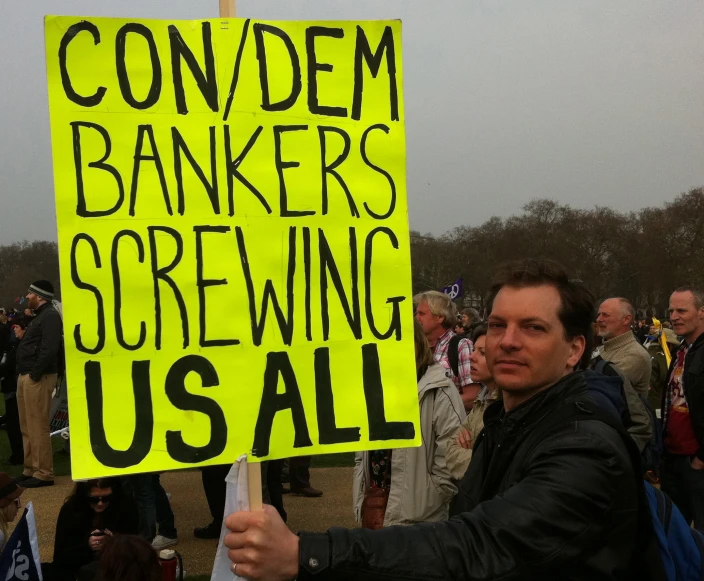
(227, 8)
(254, 470)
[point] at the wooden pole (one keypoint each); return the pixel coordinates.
(254, 469)
(254, 482)
(227, 8)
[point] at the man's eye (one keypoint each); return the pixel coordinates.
(536, 328)
(496, 325)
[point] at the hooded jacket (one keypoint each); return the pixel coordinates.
(421, 486)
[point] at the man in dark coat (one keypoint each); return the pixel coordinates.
(564, 506)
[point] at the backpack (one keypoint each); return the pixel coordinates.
(453, 354)
(652, 453)
(667, 549)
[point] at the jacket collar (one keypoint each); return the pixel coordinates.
(532, 411)
(620, 341)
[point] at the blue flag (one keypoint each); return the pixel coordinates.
(19, 560)
(454, 289)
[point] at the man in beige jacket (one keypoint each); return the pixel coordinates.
(621, 347)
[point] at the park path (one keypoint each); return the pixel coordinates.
(191, 510)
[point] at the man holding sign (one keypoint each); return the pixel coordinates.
(542, 498)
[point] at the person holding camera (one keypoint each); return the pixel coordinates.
(96, 510)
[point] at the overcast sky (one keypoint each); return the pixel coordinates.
(586, 102)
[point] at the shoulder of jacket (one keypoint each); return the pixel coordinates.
(583, 433)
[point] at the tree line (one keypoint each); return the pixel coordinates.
(22, 263)
(641, 255)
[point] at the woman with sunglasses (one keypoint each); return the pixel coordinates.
(9, 505)
(97, 509)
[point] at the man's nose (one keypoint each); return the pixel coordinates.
(510, 340)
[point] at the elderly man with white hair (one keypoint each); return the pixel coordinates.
(615, 320)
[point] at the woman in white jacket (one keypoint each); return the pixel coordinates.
(411, 485)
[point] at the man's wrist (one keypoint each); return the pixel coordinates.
(314, 554)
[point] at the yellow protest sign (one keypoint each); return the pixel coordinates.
(233, 236)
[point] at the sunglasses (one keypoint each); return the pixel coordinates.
(97, 499)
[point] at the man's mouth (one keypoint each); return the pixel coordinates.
(510, 363)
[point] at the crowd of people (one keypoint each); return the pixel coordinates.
(520, 473)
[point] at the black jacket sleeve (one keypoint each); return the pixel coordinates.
(50, 342)
(71, 548)
(548, 519)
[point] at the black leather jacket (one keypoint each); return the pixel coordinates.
(693, 385)
(567, 510)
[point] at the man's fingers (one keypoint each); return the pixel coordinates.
(235, 541)
(239, 522)
(242, 556)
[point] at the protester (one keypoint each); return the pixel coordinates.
(299, 477)
(629, 360)
(436, 313)
(215, 488)
(129, 558)
(621, 347)
(5, 334)
(658, 361)
(8, 383)
(37, 367)
(459, 452)
(156, 519)
(411, 485)
(470, 320)
(97, 509)
(641, 331)
(10, 505)
(540, 500)
(682, 473)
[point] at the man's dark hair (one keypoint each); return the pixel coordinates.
(696, 292)
(577, 303)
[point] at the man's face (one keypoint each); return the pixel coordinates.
(465, 319)
(526, 348)
(32, 300)
(611, 319)
(687, 320)
(430, 323)
(653, 330)
(19, 331)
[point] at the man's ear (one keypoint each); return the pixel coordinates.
(577, 346)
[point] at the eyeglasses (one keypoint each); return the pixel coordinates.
(98, 499)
